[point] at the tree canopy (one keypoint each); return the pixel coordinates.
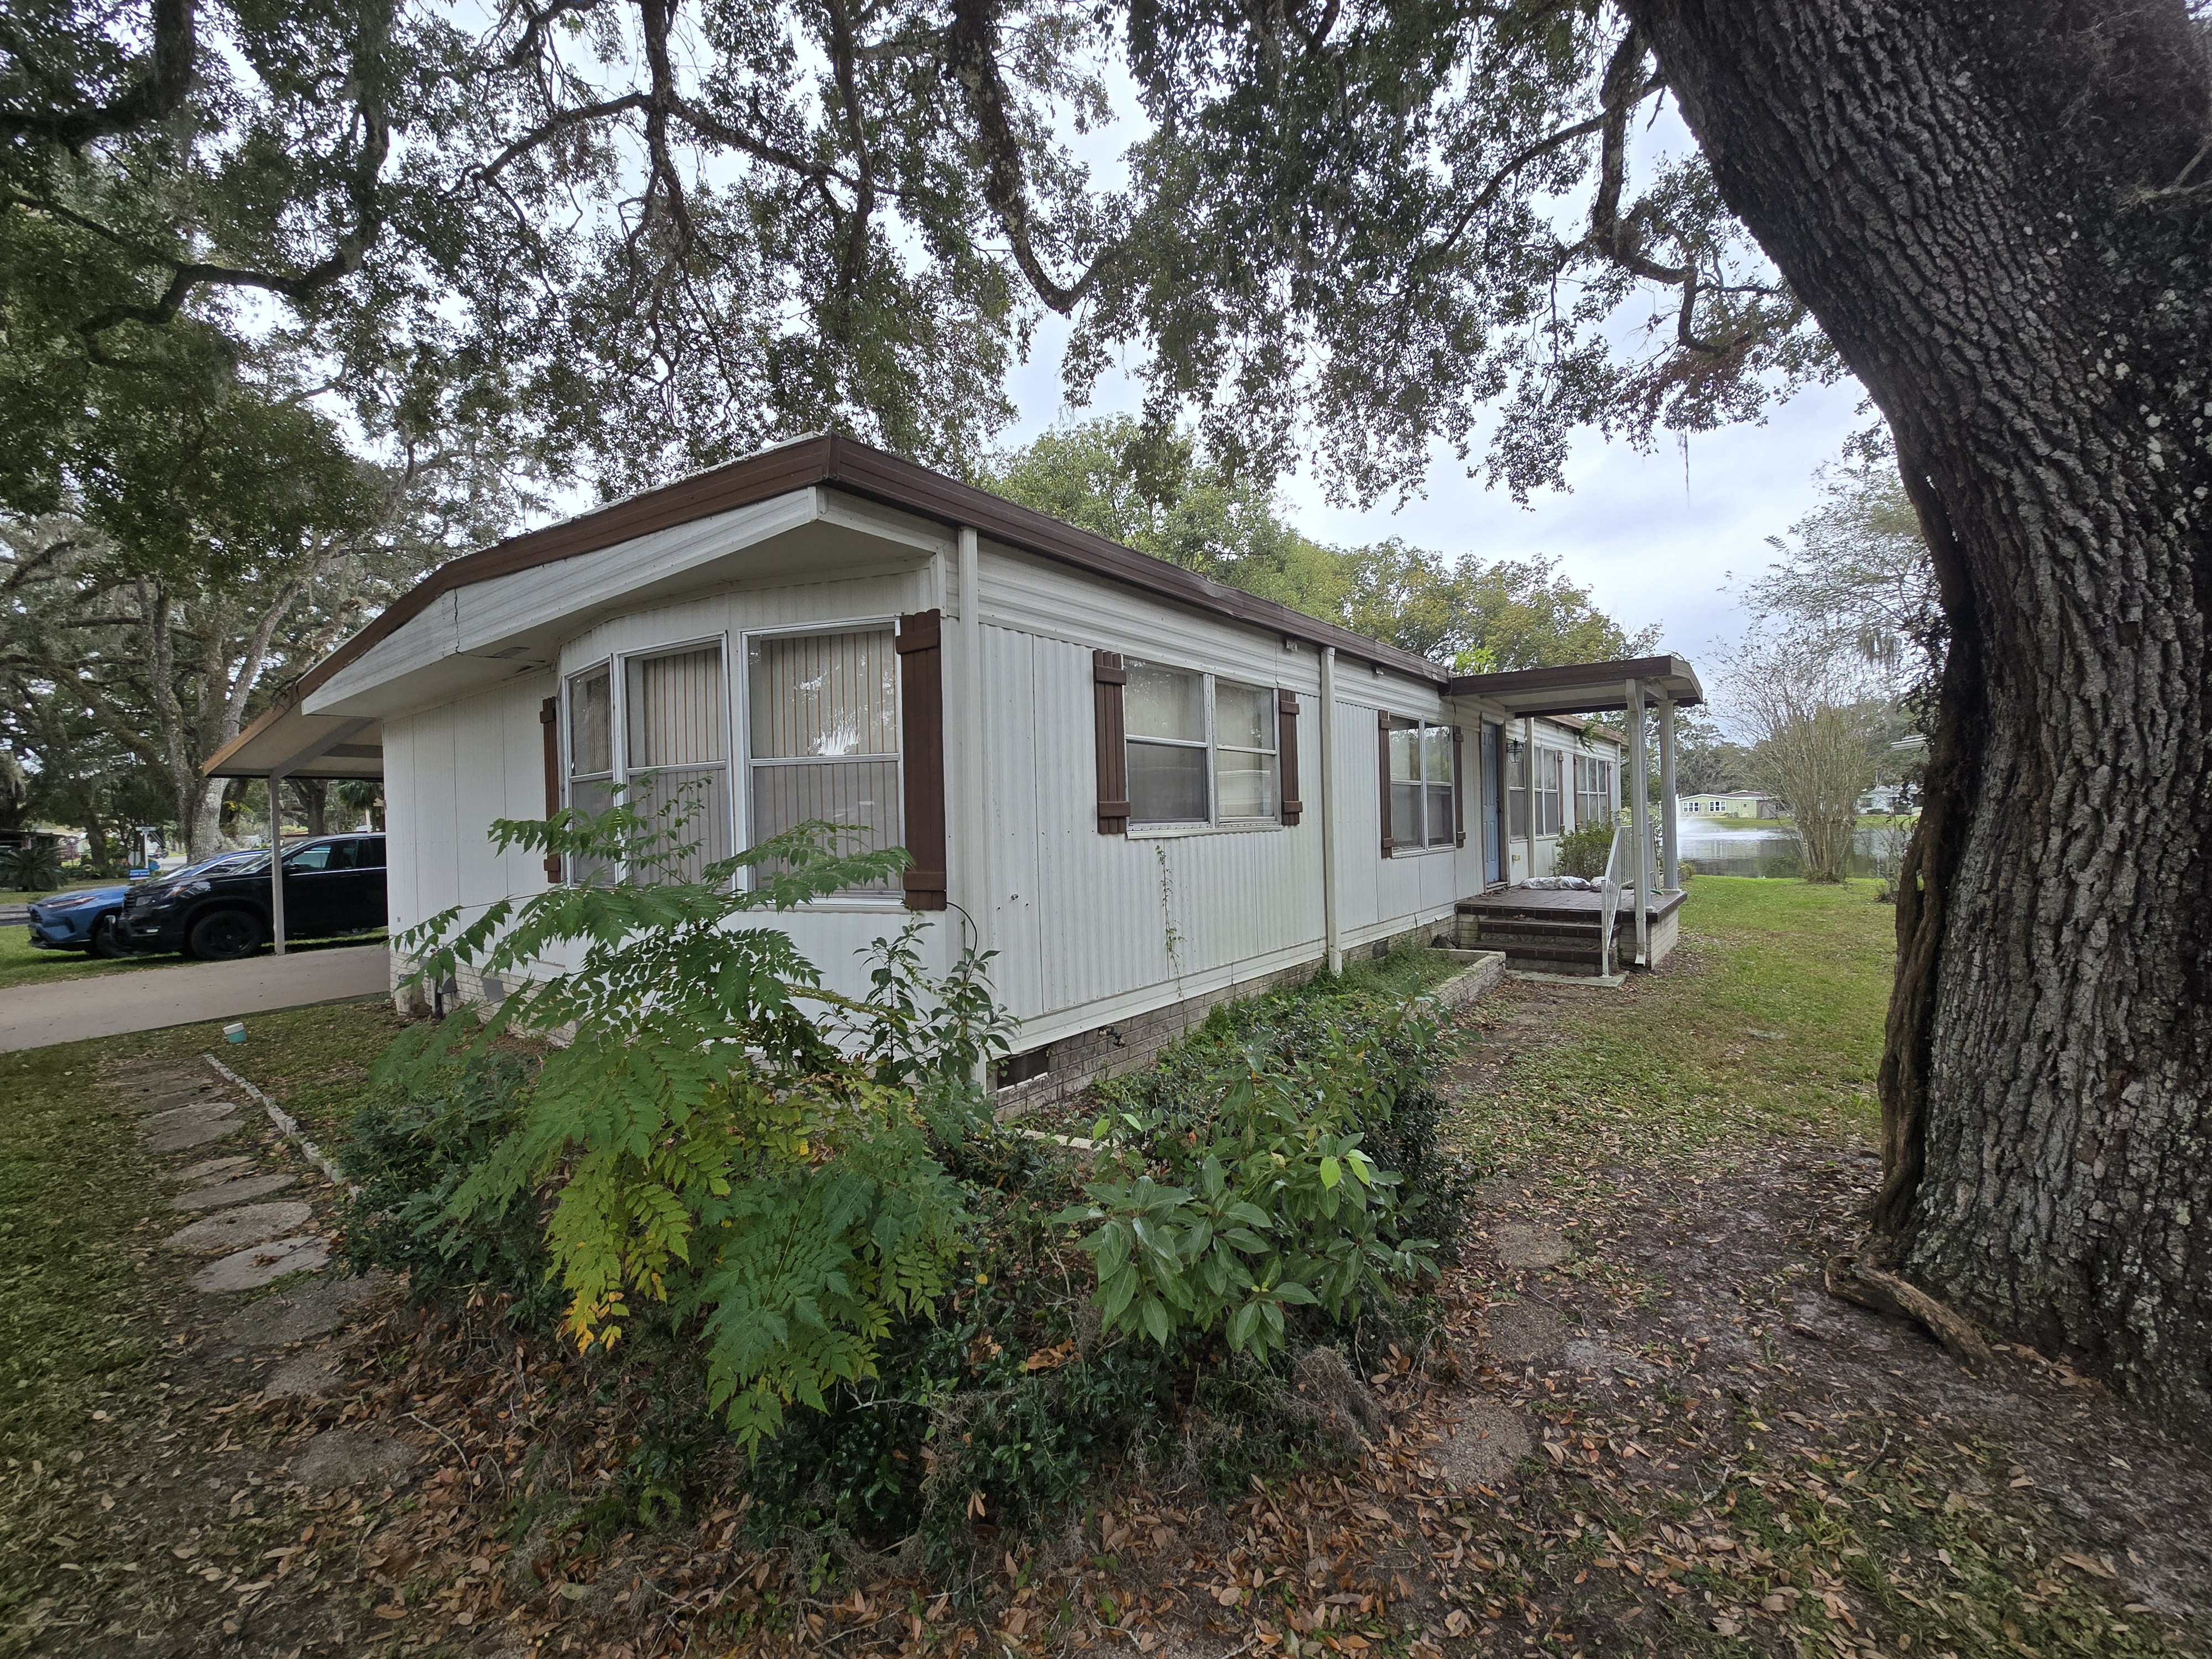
(1164, 495)
(649, 236)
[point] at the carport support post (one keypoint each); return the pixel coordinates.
(1639, 818)
(1670, 832)
(277, 860)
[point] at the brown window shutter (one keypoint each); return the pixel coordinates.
(1459, 790)
(1108, 677)
(921, 759)
(1382, 768)
(548, 719)
(1286, 749)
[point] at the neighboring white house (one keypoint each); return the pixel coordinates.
(1143, 790)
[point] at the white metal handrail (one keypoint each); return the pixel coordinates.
(1617, 865)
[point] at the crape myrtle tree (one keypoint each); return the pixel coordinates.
(651, 234)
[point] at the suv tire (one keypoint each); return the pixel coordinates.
(224, 936)
(106, 939)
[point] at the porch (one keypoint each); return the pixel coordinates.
(1561, 931)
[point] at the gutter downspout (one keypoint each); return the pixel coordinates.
(974, 814)
(1332, 930)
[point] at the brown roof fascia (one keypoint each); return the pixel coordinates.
(864, 470)
(1610, 674)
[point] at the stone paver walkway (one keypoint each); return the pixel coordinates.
(109, 1004)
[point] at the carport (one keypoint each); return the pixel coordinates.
(285, 743)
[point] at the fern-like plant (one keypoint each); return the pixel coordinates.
(732, 1142)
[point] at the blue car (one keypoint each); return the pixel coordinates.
(90, 918)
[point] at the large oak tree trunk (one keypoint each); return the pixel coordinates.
(2002, 217)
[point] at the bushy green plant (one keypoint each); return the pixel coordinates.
(738, 1147)
(410, 1153)
(1270, 1202)
(1401, 1116)
(34, 866)
(1584, 852)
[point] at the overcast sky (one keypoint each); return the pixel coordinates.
(1653, 540)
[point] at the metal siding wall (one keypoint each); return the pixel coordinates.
(1081, 919)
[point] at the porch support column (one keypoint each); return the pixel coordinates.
(1639, 819)
(1528, 794)
(1331, 926)
(277, 861)
(1669, 829)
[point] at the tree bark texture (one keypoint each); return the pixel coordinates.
(2002, 217)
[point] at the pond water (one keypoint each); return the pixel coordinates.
(1775, 853)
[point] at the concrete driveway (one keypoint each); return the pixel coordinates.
(109, 1004)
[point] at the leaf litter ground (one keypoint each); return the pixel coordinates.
(1640, 1427)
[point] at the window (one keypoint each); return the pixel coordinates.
(1549, 774)
(825, 728)
(1421, 786)
(1200, 749)
(1436, 769)
(1165, 711)
(1516, 788)
(1592, 791)
(1245, 783)
(673, 752)
(591, 753)
(317, 857)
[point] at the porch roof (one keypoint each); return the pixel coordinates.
(1582, 688)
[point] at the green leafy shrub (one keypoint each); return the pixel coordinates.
(760, 1172)
(1267, 1200)
(1397, 1045)
(35, 867)
(410, 1154)
(1584, 852)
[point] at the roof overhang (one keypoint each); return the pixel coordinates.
(289, 743)
(1585, 688)
(300, 718)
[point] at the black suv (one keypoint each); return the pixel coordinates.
(332, 884)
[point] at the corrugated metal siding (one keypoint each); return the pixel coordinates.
(1088, 927)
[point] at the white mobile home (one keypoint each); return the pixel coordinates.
(1143, 790)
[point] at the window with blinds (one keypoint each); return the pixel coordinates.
(656, 726)
(676, 751)
(591, 754)
(824, 738)
(1550, 795)
(1592, 791)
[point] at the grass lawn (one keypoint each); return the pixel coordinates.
(1767, 1017)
